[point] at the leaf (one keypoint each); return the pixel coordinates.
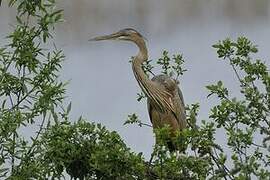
(3, 172)
(69, 108)
(3, 104)
(19, 20)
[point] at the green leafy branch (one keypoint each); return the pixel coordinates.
(133, 119)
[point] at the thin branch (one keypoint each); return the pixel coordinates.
(226, 170)
(235, 71)
(22, 99)
(257, 145)
(10, 99)
(30, 151)
(151, 73)
(13, 151)
(144, 124)
(38, 133)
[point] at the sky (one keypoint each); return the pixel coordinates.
(102, 87)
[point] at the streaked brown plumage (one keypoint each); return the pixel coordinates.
(164, 98)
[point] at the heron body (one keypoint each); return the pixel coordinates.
(175, 120)
(164, 98)
(159, 118)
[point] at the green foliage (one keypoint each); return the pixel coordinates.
(88, 150)
(148, 67)
(31, 94)
(164, 61)
(133, 118)
(247, 119)
(171, 66)
(29, 88)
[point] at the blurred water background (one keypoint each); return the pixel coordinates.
(102, 87)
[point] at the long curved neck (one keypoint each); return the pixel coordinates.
(143, 53)
(155, 93)
(137, 62)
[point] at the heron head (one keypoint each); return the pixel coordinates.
(127, 34)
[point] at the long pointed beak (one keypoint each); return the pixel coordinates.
(106, 37)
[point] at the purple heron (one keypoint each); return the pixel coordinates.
(164, 98)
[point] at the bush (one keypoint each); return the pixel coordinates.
(31, 94)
